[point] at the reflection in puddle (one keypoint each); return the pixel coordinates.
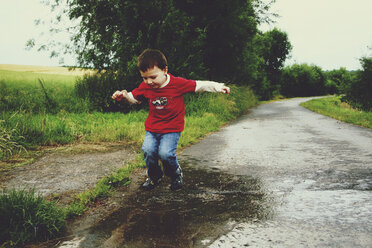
(207, 206)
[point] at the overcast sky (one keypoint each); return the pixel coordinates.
(327, 33)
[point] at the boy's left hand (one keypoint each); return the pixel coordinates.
(225, 89)
(119, 95)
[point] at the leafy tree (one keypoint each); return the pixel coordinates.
(228, 26)
(274, 48)
(337, 80)
(209, 39)
(302, 80)
(209, 34)
(359, 92)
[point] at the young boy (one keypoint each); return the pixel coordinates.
(165, 122)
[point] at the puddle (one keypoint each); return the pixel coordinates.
(351, 179)
(209, 205)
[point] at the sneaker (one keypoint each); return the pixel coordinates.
(177, 183)
(150, 184)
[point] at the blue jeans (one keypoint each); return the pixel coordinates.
(161, 146)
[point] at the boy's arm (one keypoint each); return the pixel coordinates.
(211, 86)
(119, 95)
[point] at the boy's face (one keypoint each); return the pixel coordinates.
(155, 77)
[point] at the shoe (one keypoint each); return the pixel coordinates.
(150, 184)
(177, 183)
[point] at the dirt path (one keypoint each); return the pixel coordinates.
(61, 174)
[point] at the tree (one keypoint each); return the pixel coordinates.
(228, 26)
(209, 34)
(209, 39)
(302, 80)
(338, 80)
(274, 48)
(277, 50)
(359, 92)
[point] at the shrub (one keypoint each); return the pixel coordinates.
(302, 80)
(26, 217)
(337, 80)
(358, 93)
(98, 89)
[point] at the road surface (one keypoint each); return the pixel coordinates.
(317, 170)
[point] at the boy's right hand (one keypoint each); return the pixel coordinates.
(119, 95)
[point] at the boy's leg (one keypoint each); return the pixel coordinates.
(167, 153)
(150, 150)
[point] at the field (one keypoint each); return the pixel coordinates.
(39, 107)
(55, 70)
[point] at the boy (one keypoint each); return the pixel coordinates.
(165, 121)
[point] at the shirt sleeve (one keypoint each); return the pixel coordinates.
(138, 94)
(208, 86)
(185, 86)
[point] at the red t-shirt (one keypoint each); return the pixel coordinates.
(167, 108)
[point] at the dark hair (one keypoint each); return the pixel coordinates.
(150, 58)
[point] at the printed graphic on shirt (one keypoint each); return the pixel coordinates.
(160, 102)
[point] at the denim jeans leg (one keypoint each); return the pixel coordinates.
(167, 153)
(150, 150)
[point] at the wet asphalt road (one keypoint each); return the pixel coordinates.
(280, 176)
(316, 171)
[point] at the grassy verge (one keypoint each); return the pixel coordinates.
(333, 107)
(26, 217)
(102, 189)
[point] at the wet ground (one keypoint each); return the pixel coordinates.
(317, 170)
(201, 212)
(280, 176)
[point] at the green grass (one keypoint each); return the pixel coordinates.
(39, 93)
(103, 188)
(67, 128)
(26, 217)
(333, 107)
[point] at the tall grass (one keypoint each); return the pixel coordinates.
(26, 217)
(65, 128)
(333, 107)
(9, 142)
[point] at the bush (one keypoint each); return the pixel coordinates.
(99, 88)
(302, 80)
(26, 217)
(358, 93)
(337, 80)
